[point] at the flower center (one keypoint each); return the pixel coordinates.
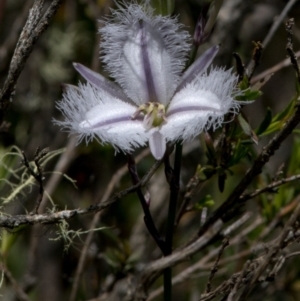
(154, 114)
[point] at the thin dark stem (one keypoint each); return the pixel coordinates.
(173, 177)
(147, 214)
(168, 284)
(174, 187)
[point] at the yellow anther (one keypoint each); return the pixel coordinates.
(154, 114)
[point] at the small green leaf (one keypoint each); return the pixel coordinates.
(205, 172)
(273, 127)
(247, 128)
(244, 84)
(244, 125)
(249, 95)
(287, 112)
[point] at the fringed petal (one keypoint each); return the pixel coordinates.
(200, 105)
(91, 112)
(144, 53)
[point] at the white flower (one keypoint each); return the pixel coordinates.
(151, 101)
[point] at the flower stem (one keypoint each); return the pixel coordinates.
(173, 177)
(147, 215)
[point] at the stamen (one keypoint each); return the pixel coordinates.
(141, 109)
(154, 114)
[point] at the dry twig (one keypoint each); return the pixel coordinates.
(214, 269)
(35, 25)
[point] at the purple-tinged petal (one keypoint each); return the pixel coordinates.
(198, 67)
(100, 82)
(145, 72)
(190, 113)
(91, 112)
(157, 144)
(200, 105)
(144, 53)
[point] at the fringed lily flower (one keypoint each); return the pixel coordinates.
(151, 101)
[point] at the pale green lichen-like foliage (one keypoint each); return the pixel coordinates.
(67, 236)
(15, 179)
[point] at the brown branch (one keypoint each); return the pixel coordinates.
(214, 269)
(268, 188)
(154, 269)
(283, 64)
(273, 29)
(250, 270)
(279, 244)
(290, 50)
(204, 263)
(56, 217)
(256, 58)
(36, 24)
(238, 282)
(8, 46)
(277, 22)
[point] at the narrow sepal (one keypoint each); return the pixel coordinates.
(198, 67)
(100, 82)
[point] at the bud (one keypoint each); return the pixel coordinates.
(199, 36)
(213, 13)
